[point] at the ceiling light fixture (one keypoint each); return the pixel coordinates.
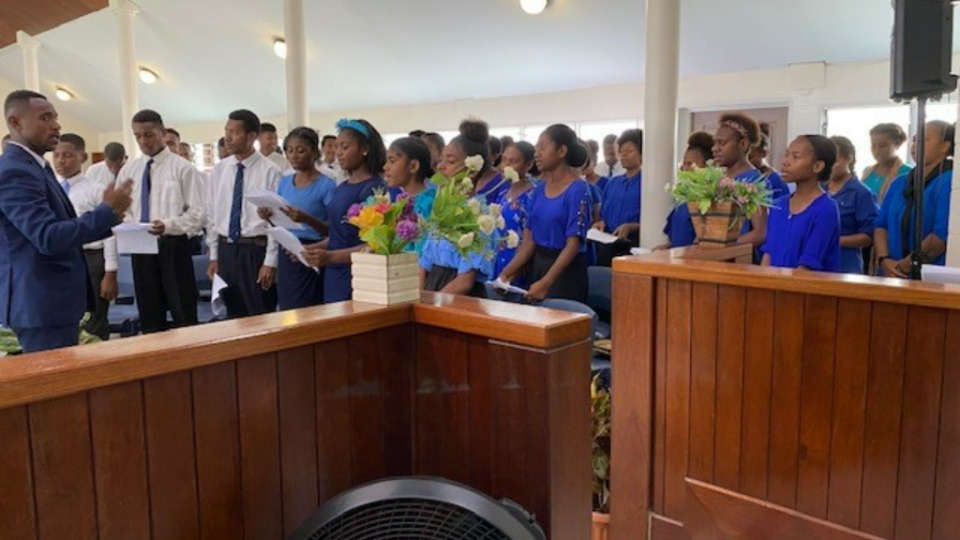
(63, 94)
(280, 47)
(148, 76)
(534, 7)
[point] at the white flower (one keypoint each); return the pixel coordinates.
(668, 187)
(474, 206)
(473, 164)
(495, 209)
(486, 224)
(513, 239)
(511, 174)
(500, 222)
(465, 240)
(466, 185)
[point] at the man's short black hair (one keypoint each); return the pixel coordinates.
(417, 133)
(148, 116)
(18, 99)
(74, 139)
(267, 127)
(172, 131)
(114, 151)
(251, 123)
(221, 143)
(328, 138)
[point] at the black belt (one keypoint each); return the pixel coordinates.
(259, 241)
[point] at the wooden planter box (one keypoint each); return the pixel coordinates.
(386, 279)
(719, 227)
(601, 527)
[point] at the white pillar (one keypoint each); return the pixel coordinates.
(953, 239)
(295, 64)
(125, 12)
(31, 69)
(661, 86)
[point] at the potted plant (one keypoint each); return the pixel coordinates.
(600, 409)
(10, 345)
(718, 204)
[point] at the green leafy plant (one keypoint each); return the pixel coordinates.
(710, 185)
(10, 345)
(600, 409)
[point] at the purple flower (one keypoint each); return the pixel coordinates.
(407, 230)
(354, 210)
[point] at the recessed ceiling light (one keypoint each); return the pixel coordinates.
(63, 94)
(148, 76)
(534, 7)
(280, 47)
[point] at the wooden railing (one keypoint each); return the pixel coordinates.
(242, 429)
(772, 404)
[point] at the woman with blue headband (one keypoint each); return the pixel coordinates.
(362, 155)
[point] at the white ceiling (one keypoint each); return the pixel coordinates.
(215, 55)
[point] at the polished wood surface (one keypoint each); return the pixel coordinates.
(526, 325)
(39, 16)
(782, 414)
(689, 264)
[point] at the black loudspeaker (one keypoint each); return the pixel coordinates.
(922, 49)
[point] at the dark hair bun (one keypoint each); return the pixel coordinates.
(700, 139)
(475, 130)
(577, 154)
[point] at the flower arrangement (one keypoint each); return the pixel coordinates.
(386, 227)
(511, 174)
(600, 408)
(710, 185)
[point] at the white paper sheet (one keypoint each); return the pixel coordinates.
(289, 242)
(501, 285)
(940, 274)
(276, 203)
(600, 236)
(217, 304)
(639, 251)
(135, 239)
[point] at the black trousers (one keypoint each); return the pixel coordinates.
(165, 282)
(239, 266)
(98, 324)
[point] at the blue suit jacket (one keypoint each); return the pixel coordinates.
(43, 274)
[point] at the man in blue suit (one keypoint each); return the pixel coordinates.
(44, 289)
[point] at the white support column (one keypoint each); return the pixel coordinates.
(661, 86)
(125, 11)
(295, 64)
(953, 238)
(31, 68)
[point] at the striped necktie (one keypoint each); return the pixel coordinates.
(145, 187)
(236, 209)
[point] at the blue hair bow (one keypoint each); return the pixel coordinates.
(355, 125)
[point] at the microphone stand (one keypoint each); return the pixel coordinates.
(916, 202)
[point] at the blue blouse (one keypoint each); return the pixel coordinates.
(494, 189)
(776, 185)
(679, 228)
(858, 212)
(810, 238)
(442, 252)
(312, 199)
(621, 202)
(553, 220)
(337, 277)
(936, 214)
(751, 176)
(515, 213)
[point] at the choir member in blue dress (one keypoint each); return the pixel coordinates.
(736, 136)
(308, 192)
(362, 156)
(407, 171)
(858, 208)
(620, 209)
(804, 227)
(554, 241)
(894, 236)
(758, 158)
(436, 144)
(885, 141)
(679, 228)
(515, 203)
(473, 140)
(597, 184)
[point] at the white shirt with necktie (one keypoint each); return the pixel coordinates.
(100, 173)
(610, 172)
(85, 195)
(175, 196)
(258, 174)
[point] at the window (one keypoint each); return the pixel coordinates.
(855, 124)
(598, 130)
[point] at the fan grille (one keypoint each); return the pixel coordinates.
(408, 519)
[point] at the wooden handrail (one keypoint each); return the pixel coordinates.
(683, 264)
(41, 376)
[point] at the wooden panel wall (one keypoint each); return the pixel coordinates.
(240, 449)
(841, 413)
(510, 421)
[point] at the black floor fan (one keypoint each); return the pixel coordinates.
(415, 508)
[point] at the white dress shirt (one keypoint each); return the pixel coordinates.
(278, 160)
(174, 192)
(605, 170)
(100, 173)
(258, 174)
(86, 194)
(332, 171)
